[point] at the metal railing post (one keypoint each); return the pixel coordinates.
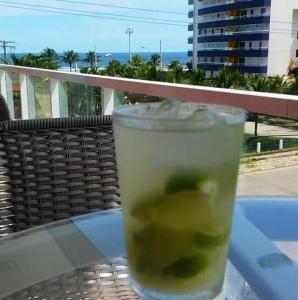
(107, 101)
(6, 91)
(55, 99)
(27, 97)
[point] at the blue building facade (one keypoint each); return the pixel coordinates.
(230, 33)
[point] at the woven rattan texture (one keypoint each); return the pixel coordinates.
(4, 112)
(55, 169)
(97, 282)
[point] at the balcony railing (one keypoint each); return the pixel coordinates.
(232, 5)
(237, 32)
(224, 18)
(46, 93)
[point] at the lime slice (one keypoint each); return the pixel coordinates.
(202, 240)
(187, 267)
(156, 245)
(184, 181)
(145, 210)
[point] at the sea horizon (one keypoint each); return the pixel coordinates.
(123, 57)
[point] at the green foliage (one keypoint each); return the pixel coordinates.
(70, 57)
(189, 66)
(48, 59)
(197, 76)
(278, 84)
(177, 71)
(91, 58)
(227, 78)
(293, 87)
(155, 59)
(114, 68)
(258, 83)
(269, 143)
(136, 61)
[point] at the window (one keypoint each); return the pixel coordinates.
(212, 31)
(241, 61)
(212, 59)
(205, 59)
(250, 45)
(261, 44)
(242, 45)
(252, 12)
(243, 13)
(263, 10)
(222, 31)
(218, 16)
(200, 32)
(222, 60)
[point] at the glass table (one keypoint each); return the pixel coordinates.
(84, 258)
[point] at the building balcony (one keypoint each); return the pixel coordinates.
(190, 40)
(232, 21)
(190, 2)
(234, 5)
(190, 14)
(238, 52)
(190, 53)
(190, 27)
(236, 67)
(235, 36)
(213, 19)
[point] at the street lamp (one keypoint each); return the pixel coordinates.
(146, 49)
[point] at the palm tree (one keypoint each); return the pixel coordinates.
(197, 76)
(278, 84)
(136, 61)
(50, 53)
(189, 66)
(70, 57)
(227, 78)
(114, 68)
(155, 59)
(293, 87)
(177, 70)
(48, 59)
(258, 83)
(91, 58)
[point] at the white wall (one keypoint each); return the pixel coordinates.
(283, 41)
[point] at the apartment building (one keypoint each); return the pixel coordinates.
(252, 36)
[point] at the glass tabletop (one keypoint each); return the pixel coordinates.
(79, 258)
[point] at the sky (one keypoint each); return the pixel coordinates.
(35, 30)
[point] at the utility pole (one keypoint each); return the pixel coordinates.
(95, 57)
(129, 31)
(6, 45)
(160, 54)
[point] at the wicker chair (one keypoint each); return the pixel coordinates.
(4, 111)
(51, 169)
(54, 169)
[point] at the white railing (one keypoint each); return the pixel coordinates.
(234, 32)
(264, 103)
(227, 17)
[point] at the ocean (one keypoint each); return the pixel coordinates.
(123, 57)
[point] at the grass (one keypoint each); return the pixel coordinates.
(287, 123)
(268, 143)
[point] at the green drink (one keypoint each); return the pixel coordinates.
(178, 166)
